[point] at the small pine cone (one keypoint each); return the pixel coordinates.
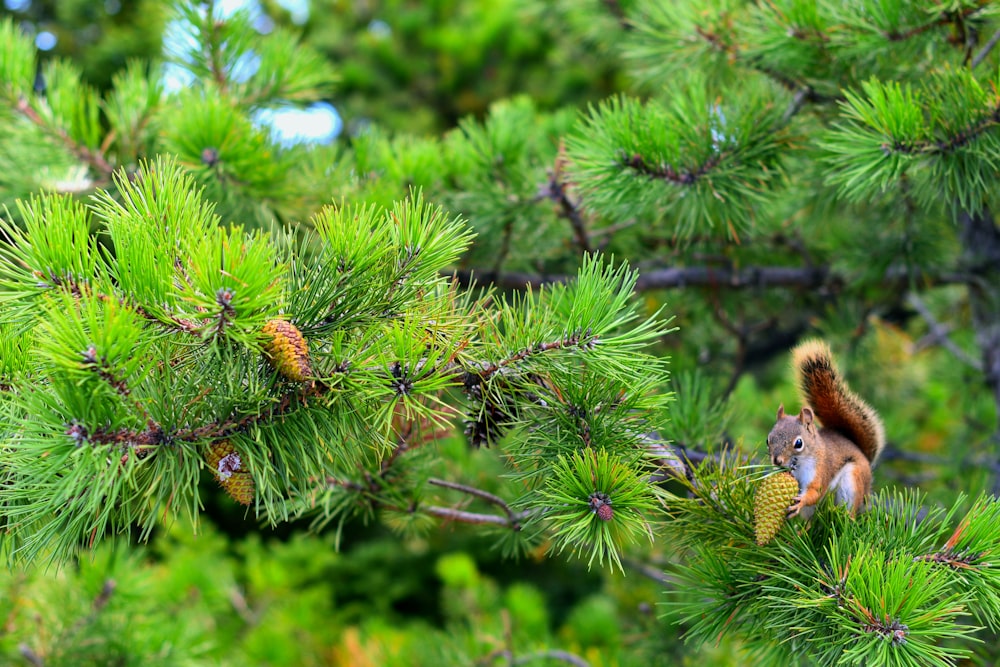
(287, 350)
(774, 495)
(600, 504)
(228, 468)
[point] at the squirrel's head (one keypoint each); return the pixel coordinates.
(791, 436)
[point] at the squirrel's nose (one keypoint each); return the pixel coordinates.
(776, 461)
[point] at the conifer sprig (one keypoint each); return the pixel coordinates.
(835, 586)
(598, 505)
(128, 397)
(893, 131)
(693, 163)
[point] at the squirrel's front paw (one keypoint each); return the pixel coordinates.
(795, 507)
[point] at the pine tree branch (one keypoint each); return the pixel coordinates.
(945, 18)
(792, 85)
(28, 654)
(616, 10)
(812, 277)
(802, 95)
(214, 48)
(479, 493)
(239, 602)
(103, 371)
(504, 250)
(667, 173)
(787, 82)
(83, 290)
(461, 516)
(550, 654)
(154, 435)
(585, 340)
(93, 158)
(939, 333)
(985, 51)
(99, 603)
(555, 190)
(948, 144)
(512, 520)
(649, 571)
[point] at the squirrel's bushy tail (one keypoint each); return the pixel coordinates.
(838, 408)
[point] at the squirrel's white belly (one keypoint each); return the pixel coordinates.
(803, 470)
(843, 485)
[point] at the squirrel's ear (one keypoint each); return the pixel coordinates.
(806, 416)
(781, 410)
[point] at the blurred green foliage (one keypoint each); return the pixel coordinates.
(422, 66)
(99, 37)
(207, 600)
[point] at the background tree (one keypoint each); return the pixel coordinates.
(325, 330)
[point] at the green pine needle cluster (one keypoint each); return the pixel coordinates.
(577, 489)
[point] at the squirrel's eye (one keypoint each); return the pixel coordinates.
(797, 444)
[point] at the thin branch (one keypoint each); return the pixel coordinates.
(513, 520)
(100, 602)
(104, 596)
(242, 608)
(615, 9)
(585, 340)
(552, 654)
(504, 249)
(508, 279)
(461, 516)
(28, 654)
(939, 333)
(893, 453)
(555, 190)
(94, 158)
(943, 19)
(802, 95)
(768, 276)
(479, 493)
(154, 435)
(950, 143)
(649, 571)
(985, 51)
(214, 48)
(81, 290)
(508, 635)
(664, 172)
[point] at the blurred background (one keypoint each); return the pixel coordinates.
(242, 594)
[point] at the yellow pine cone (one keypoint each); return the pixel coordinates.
(770, 506)
(228, 468)
(287, 350)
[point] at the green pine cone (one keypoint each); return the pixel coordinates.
(774, 495)
(287, 350)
